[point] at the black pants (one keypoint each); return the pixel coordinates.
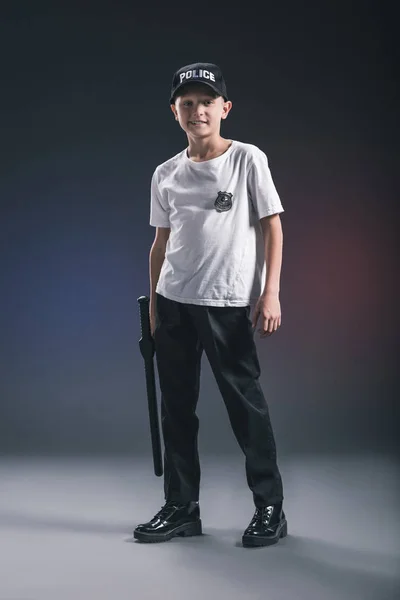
(181, 334)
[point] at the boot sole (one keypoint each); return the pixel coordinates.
(252, 541)
(185, 530)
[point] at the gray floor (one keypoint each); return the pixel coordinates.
(66, 533)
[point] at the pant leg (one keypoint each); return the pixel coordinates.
(178, 355)
(227, 337)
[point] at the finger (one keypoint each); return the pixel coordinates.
(271, 326)
(265, 329)
(276, 324)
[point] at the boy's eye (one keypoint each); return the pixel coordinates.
(189, 102)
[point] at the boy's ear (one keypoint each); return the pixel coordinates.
(174, 110)
(227, 108)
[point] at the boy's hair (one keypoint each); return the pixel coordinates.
(190, 84)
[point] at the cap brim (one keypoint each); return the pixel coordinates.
(188, 83)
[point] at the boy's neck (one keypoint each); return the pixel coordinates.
(207, 148)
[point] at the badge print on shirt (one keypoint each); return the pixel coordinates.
(223, 201)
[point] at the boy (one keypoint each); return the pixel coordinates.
(217, 250)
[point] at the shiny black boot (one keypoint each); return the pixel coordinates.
(267, 526)
(174, 519)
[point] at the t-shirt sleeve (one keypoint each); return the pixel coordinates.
(159, 209)
(261, 188)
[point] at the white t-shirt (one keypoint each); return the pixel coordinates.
(215, 251)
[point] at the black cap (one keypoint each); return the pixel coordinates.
(206, 73)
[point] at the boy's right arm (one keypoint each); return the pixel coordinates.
(156, 259)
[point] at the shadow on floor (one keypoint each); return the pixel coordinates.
(295, 560)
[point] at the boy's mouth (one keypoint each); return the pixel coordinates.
(197, 122)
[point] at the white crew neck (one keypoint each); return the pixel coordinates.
(200, 164)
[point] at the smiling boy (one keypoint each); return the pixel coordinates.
(217, 252)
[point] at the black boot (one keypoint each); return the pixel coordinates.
(172, 520)
(267, 526)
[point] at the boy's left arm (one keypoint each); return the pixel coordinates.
(268, 305)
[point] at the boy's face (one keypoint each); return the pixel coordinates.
(198, 112)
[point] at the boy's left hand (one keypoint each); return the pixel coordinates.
(268, 308)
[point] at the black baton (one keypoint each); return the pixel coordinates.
(147, 348)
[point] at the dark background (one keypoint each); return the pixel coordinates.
(85, 120)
